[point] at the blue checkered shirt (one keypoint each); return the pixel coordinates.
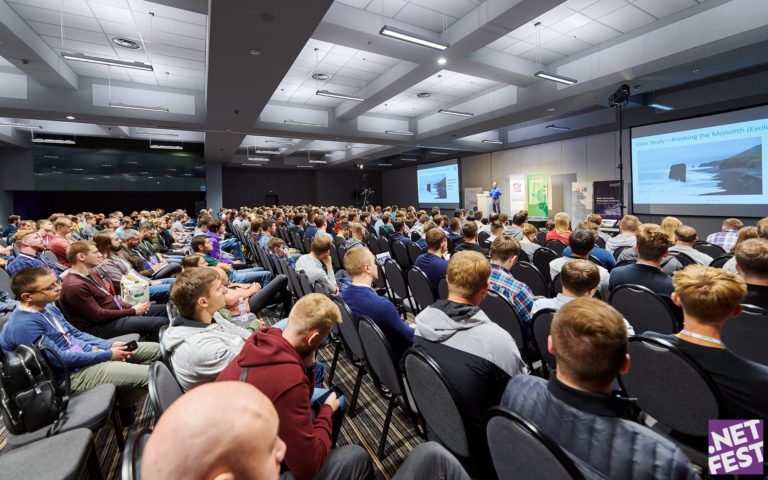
(23, 261)
(724, 238)
(518, 293)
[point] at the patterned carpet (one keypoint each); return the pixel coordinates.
(364, 429)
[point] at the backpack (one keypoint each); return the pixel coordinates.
(30, 396)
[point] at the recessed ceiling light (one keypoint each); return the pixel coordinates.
(70, 117)
(423, 94)
(442, 61)
(558, 127)
(126, 43)
(550, 109)
(320, 76)
(661, 106)
(255, 52)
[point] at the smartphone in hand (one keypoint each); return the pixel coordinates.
(131, 346)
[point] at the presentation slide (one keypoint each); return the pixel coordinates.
(709, 166)
(438, 184)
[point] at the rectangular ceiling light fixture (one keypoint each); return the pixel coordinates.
(384, 164)
(128, 106)
(322, 162)
(454, 112)
(399, 132)
(304, 166)
(494, 142)
(266, 152)
(343, 96)
(155, 146)
(82, 57)
(556, 78)
(20, 125)
(406, 159)
(399, 34)
(557, 127)
(258, 159)
(302, 124)
(661, 106)
(58, 141)
(157, 134)
(251, 164)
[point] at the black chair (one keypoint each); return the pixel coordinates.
(556, 246)
(335, 262)
(167, 271)
(557, 285)
(531, 276)
(421, 289)
(350, 338)
(414, 250)
(720, 261)
(747, 334)
(522, 256)
(384, 245)
(542, 258)
(341, 251)
(307, 244)
(683, 258)
(396, 282)
(643, 309)
(5, 282)
(66, 456)
(541, 237)
(306, 285)
(130, 468)
(598, 262)
(617, 252)
(373, 245)
(503, 314)
(541, 326)
(435, 400)
(600, 242)
(442, 289)
(710, 249)
(629, 261)
(415, 236)
(400, 252)
(482, 237)
(671, 387)
(381, 361)
(165, 356)
(163, 388)
(514, 442)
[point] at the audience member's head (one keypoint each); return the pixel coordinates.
(762, 228)
(549, 225)
(595, 218)
(469, 230)
(321, 246)
(198, 294)
(83, 252)
(582, 241)
(529, 232)
(708, 295)
(201, 244)
(437, 241)
(35, 286)
(497, 229)
(131, 237)
(107, 242)
(520, 218)
(731, 224)
(467, 276)
(685, 235)
(360, 264)
(193, 261)
(504, 251)
(745, 233)
(455, 225)
(652, 242)
(310, 321)
(195, 439)
(580, 278)
(589, 341)
(562, 222)
(669, 225)
(629, 224)
(29, 241)
(752, 260)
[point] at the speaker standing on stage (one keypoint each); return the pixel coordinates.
(495, 194)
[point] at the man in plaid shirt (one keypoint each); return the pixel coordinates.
(504, 250)
(30, 248)
(728, 234)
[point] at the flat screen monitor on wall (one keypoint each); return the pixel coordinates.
(708, 166)
(439, 184)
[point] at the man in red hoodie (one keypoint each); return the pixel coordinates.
(281, 364)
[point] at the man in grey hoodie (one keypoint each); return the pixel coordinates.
(477, 356)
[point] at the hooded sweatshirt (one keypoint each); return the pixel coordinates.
(275, 368)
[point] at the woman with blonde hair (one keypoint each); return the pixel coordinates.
(528, 243)
(669, 225)
(562, 230)
(745, 233)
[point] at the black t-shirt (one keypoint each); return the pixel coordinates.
(641, 274)
(757, 295)
(742, 383)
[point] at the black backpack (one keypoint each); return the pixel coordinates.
(30, 396)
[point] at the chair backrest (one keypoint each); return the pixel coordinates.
(720, 261)
(307, 244)
(541, 326)
(395, 278)
(306, 285)
(597, 261)
(293, 280)
(350, 336)
(482, 237)
(435, 401)
(373, 245)
(442, 288)
(335, 262)
(163, 388)
(683, 258)
(415, 236)
(165, 356)
(130, 465)
(380, 282)
(414, 250)
(319, 287)
(618, 251)
(629, 261)
(541, 237)
(5, 282)
(341, 251)
(557, 285)
(671, 387)
(514, 442)
(528, 274)
(503, 314)
(556, 246)
(420, 288)
(643, 309)
(401, 254)
(379, 356)
(542, 258)
(747, 334)
(50, 256)
(600, 242)
(384, 244)
(711, 249)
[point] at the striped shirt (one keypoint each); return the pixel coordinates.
(518, 293)
(724, 238)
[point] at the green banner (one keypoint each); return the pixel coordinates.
(537, 195)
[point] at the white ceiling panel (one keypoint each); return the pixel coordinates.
(595, 33)
(69, 33)
(361, 4)
(72, 46)
(627, 19)
(604, 7)
(55, 17)
(74, 7)
(425, 18)
(173, 40)
(541, 55)
(389, 8)
(452, 8)
(665, 8)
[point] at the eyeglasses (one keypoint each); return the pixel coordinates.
(50, 288)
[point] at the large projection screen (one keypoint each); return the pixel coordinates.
(439, 184)
(705, 166)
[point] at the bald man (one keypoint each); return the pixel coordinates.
(196, 439)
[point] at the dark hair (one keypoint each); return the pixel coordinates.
(469, 230)
(434, 237)
(191, 261)
(215, 225)
(198, 242)
(24, 279)
(504, 247)
(191, 285)
(582, 241)
(397, 225)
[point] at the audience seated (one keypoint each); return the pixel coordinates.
(515, 229)
(577, 408)
(62, 239)
(708, 297)
(469, 236)
(342, 234)
(268, 231)
(685, 237)
(582, 242)
(562, 230)
(762, 232)
(317, 264)
(626, 237)
(752, 264)
(729, 232)
(400, 233)
(31, 248)
(528, 243)
(202, 245)
(606, 259)
(89, 360)
(360, 264)
(669, 225)
(598, 220)
(504, 252)
(454, 231)
(495, 230)
(281, 364)
(93, 305)
(432, 262)
(356, 236)
(138, 258)
(476, 356)
(652, 246)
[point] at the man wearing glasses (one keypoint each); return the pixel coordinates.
(31, 246)
(89, 360)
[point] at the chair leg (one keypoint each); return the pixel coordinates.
(117, 426)
(356, 391)
(385, 430)
(336, 353)
(94, 467)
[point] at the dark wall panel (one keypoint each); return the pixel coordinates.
(36, 205)
(399, 187)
